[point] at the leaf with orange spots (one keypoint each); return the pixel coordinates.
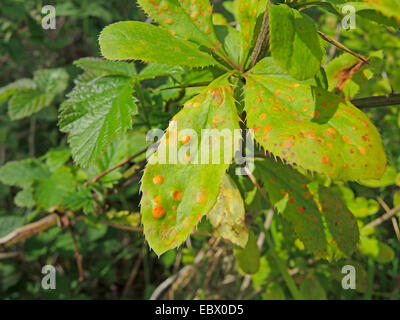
(340, 221)
(129, 40)
(390, 8)
(187, 19)
(295, 44)
(182, 182)
(318, 215)
(311, 127)
(288, 192)
(247, 13)
(227, 215)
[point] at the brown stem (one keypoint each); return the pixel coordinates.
(383, 218)
(122, 163)
(133, 274)
(78, 256)
(261, 40)
(341, 46)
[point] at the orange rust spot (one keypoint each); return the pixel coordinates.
(158, 212)
(171, 217)
(324, 159)
(174, 208)
(202, 197)
(272, 179)
(267, 128)
(346, 139)
(185, 139)
(177, 195)
(208, 30)
(362, 150)
(291, 200)
(265, 137)
(158, 180)
(157, 200)
(262, 115)
(300, 209)
(258, 100)
(170, 21)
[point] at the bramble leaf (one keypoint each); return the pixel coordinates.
(294, 42)
(390, 8)
(30, 97)
(313, 128)
(23, 173)
(142, 41)
(95, 113)
(53, 190)
(188, 19)
(227, 215)
(102, 67)
(177, 189)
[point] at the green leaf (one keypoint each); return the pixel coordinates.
(101, 67)
(230, 39)
(24, 198)
(52, 81)
(321, 220)
(9, 224)
(142, 41)
(288, 192)
(390, 8)
(341, 223)
(274, 292)
(246, 14)
(313, 128)
(377, 250)
(49, 83)
(96, 113)
(388, 178)
(25, 103)
(294, 41)
(227, 215)
(55, 158)
(19, 85)
(187, 19)
(178, 192)
(311, 289)
(248, 258)
(22, 173)
(53, 190)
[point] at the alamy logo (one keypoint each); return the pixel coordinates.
(349, 21)
(49, 20)
(349, 280)
(49, 280)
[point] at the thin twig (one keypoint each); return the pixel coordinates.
(383, 218)
(255, 182)
(78, 256)
(184, 86)
(341, 46)
(394, 220)
(122, 163)
(133, 274)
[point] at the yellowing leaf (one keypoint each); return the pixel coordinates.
(227, 215)
(178, 191)
(313, 128)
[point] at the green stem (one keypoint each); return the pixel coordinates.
(282, 268)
